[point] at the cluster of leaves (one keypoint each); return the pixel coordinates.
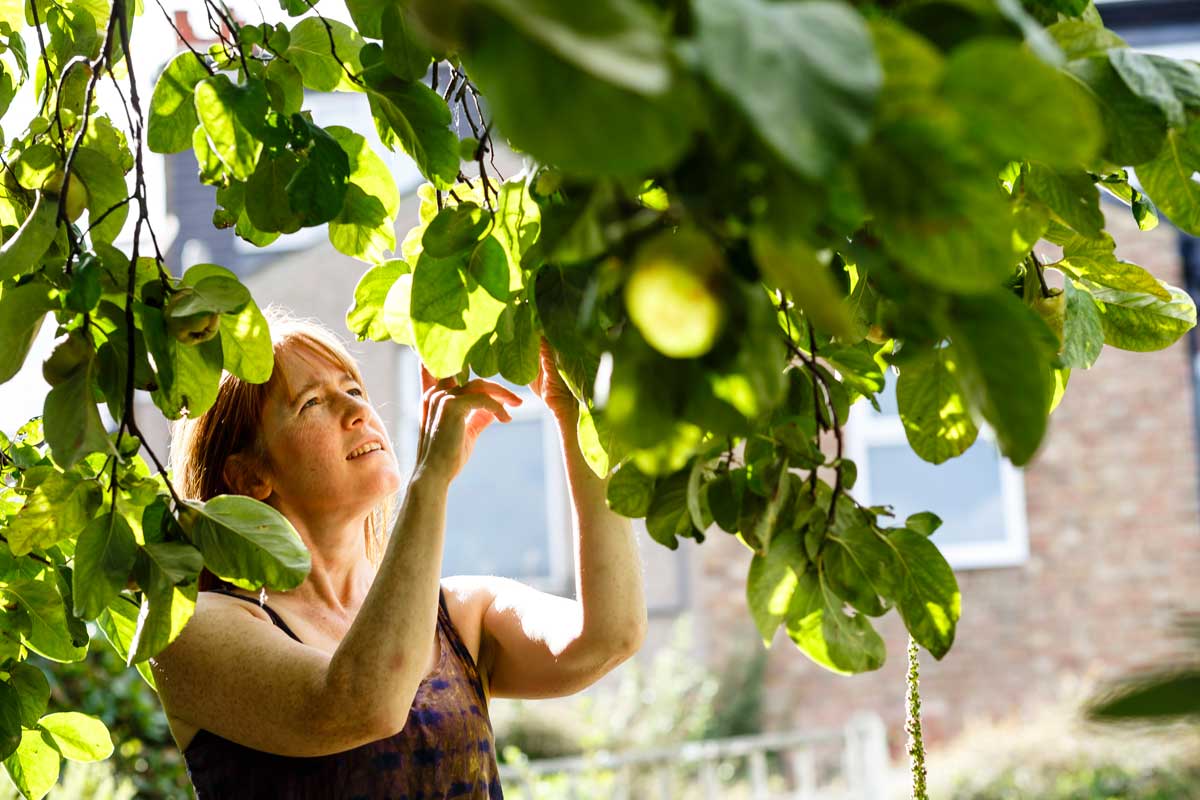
(738, 216)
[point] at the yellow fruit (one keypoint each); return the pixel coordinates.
(671, 295)
(77, 196)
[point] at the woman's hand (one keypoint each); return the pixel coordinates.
(550, 386)
(452, 417)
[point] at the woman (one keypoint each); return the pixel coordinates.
(372, 678)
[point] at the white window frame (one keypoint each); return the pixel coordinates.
(867, 428)
(560, 580)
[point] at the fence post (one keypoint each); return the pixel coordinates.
(865, 760)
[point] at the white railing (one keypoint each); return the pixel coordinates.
(860, 772)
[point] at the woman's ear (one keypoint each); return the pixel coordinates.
(244, 475)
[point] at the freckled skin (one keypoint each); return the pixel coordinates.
(308, 438)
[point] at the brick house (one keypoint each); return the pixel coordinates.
(1072, 565)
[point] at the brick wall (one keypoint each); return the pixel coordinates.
(1114, 548)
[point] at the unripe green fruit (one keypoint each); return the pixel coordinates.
(69, 354)
(671, 295)
(193, 328)
(1053, 310)
(76, 200)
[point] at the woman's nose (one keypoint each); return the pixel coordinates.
(356, 412)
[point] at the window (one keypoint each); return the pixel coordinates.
(508, 512)
(980, 496)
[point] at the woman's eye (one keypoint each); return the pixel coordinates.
(309, 402)
(360, 391)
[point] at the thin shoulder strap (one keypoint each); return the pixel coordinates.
(278, 620)
(457, 644)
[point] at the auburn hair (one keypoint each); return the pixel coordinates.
(201, 446)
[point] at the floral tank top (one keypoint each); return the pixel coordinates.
(445, 749)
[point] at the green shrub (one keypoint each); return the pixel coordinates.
(101, 685)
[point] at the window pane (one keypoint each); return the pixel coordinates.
(496, 519)
(887, 398)
(965, 491)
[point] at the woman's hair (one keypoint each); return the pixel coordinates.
(200, 447)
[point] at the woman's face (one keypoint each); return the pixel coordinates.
(312, 424)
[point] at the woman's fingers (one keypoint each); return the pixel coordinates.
(492, 389)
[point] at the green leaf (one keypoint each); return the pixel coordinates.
(519, 358)
(1019, 107)
(247, 542)
(1083, 331)
(318, 189)
(233, 119)
(668, 517)
(119, 624)
(822, 630)
(22, 310)
(172, 109)
(617, 41)
(1072, 194)
(365, 317)
(1108, 271)
(772, 581)
(285, 87)
(365, 227)
(78, 736)
(1182, 76)
(189, 375)
(630, 491)
(1168, 178)
(406, 57)
(167, 606)
(34, 766)
(10, 720)
(455, 229)
(1135, 127)
(1003, 349)
(789, 263)
(49, 635)
(1142, 322)
(1144, 80)
(397, 311)
(925, 591)
(212, 294)
(415, 118)
(58, 509)
(104, 557)
(367, 16)
(23, 251)
(534, 95)
(72, 419)
(924, 523)
(955, 231)
(600, 445)
(310, 52)
(34, 690)
(780, 61)
(1078, 39)
(858, 565)
(455, 301)
(933, 409)
(268, 208)
(246, 348)
(107, 193)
